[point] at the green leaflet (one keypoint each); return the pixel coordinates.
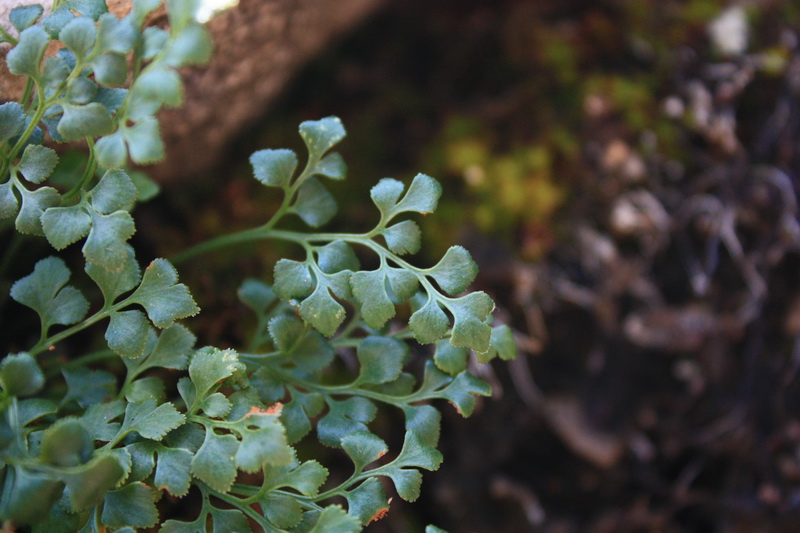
(164, 299)
(26, 56)
(12, 120)
(172, 470)
(207, 466)
(132, 505)
(30, 497)
(367, 502)
(89, 120)
(273, 167)
(88, 387)
(46, 292)
(20, 375)
(209, 366)
(37, 163)
(149, 420)
(381, 359)
(321, 135)
(24, 16)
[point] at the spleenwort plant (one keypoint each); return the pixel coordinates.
(87, 445)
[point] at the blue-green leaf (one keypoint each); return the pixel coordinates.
(274, 167)
(79, 35)
(369, 288)
(65, 225)
(118, 279)
(151, 421)
(26, 56)
(144, 141)
(209, 366)
(31, 496)
(45, 292)
(331, 166)
(115, 191)
(160, 84)
(403, 238)
(263, 442)
(323, 312)
(23, 17)
(415, 454)
(462, 390)
(470, 329)
(191, 46)
(368, 501)
(282, 510)
(88, 387)
(450, 359)
(501, 344)
(81, 90)
(110, 69)
(314, 203)
(321, 135)
(333, 519)
(154, 40)
(422, 196)
(106, 244)
(343, 418)
(88, 8)
(171, 350)
(20, 375)
(98, 419)
(90, 120)
(429, 323)
(111, 151)
(172, 471)
(297, 414)
(37, 163)
(207, 466)
(164, 299)
(87, 486)
(216, 405)
(12, 120)
(455, 271)
(55, 71)
(226, 520)
(117, 35)
(9, 205)
(306, 478)
(142, 8)
(34, 203)
(143, 389)
(256, 295)
(305, 347)
(132, 505)
(385, 194)
(381, 359)
(337, 256)
(403, 284)
(292, 279)
(363, 448)
(66, 443)
(425, 421)
(55, 21)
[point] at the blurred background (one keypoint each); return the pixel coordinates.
(625, 174)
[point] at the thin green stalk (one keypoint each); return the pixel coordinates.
(88, 173)
(8, 37)
(58, 337)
